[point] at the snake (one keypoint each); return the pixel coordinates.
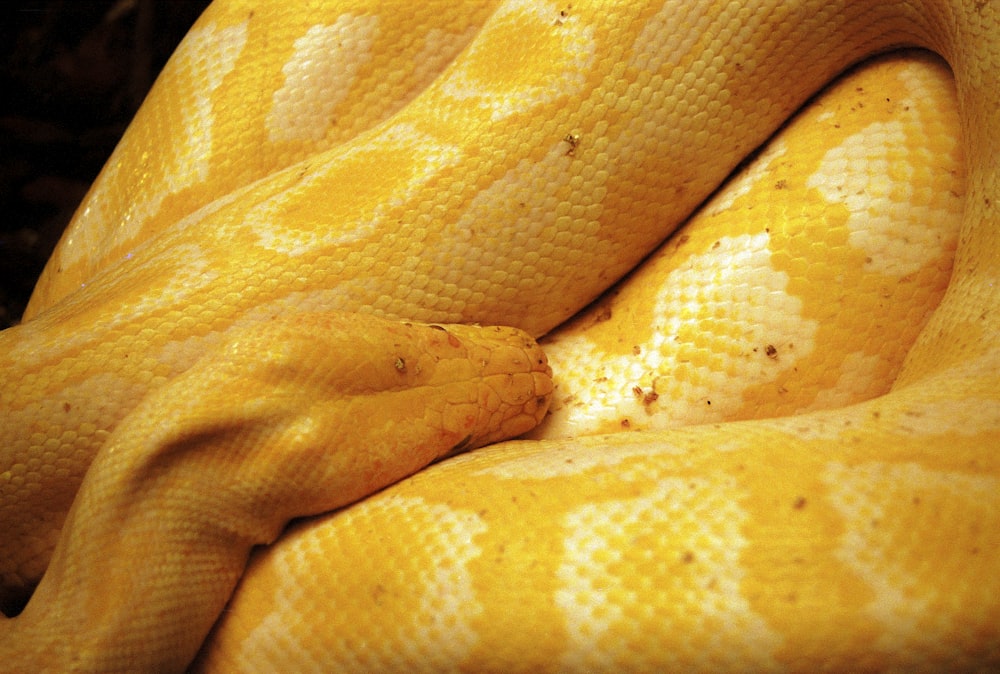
(378, 345)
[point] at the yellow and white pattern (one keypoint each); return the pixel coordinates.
(741, 316)
(769, 448)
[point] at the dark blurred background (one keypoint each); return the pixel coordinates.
(72, 75)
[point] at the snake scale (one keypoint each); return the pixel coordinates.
(771, 448)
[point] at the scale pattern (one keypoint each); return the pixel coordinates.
(231, 335)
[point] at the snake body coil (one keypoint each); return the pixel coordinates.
(234, 333)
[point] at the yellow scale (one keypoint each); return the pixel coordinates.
(768, 449)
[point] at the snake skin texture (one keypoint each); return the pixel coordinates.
(765, 443)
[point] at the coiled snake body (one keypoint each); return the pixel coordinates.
(232, 334)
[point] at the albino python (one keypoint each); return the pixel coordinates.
(771, 449)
